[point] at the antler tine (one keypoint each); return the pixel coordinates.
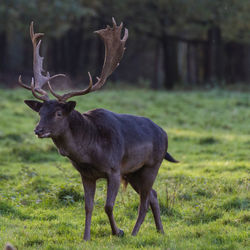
(114, 49)
(114, 22)
(22, 84)
(34, 36)
(39, 79)
(43, 97)
(64, 97)
(26, 86)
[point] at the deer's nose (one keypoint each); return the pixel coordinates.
(38, 131)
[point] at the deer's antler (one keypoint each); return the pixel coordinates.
(114, 49)
(40, 79)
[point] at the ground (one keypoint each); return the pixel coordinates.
(204, 199)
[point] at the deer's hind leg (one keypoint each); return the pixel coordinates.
(142, 182)
(113, 187)
(154, 204)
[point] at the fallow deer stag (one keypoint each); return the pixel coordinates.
(100, 143)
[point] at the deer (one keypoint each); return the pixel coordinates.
(100, 143)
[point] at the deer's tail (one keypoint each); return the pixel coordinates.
(170, 158)
(124, 182)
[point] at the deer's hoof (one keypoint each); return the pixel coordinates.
(86, 238)
(121, 233)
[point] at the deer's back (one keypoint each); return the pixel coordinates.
(132, 140)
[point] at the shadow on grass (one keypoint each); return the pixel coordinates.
(7, 210)
(236, 203)
(34, 242)
(4, 177)
(169, 211)
(208, 140)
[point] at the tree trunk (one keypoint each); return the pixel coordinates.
(170, 65)
(74, 47)
(182, 62)
(53, 63)
(247, 63)
(3, 45)
(155, 81)
(214, 56)
(192, 64)
(234, 69)
(62, 55)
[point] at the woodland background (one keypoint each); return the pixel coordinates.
(171, 43)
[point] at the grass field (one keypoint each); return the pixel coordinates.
(204, 199)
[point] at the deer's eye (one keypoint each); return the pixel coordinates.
(59, 113)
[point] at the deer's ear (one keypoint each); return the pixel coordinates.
(69, 106)
(35, 105)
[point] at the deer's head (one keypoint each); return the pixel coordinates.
(54, 114)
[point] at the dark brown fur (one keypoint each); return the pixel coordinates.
(103, 144)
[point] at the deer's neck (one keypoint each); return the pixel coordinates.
(75, 140)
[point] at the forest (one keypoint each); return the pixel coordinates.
(171, 43)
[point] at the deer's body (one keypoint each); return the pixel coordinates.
(100, 143)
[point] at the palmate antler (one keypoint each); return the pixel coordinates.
(40, 79)
(114, 49)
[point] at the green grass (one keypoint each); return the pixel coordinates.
(204, 199)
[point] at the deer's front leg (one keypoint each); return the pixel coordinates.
(89, 193)
(113, 187)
